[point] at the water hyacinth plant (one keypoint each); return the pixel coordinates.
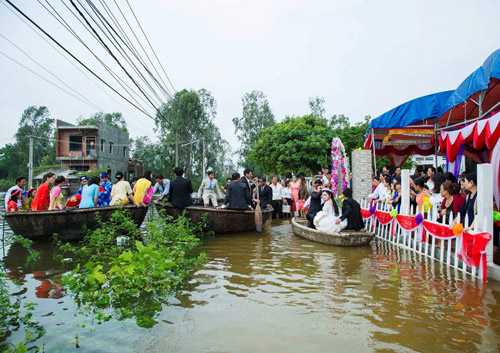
(132, 280)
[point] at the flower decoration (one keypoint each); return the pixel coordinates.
(393, 213)
(338, 162)
(419, 218)
(458, 229)
(372, 209)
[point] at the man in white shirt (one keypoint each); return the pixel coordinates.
(324, 179)
(278, 198)
(209, 190)
(162, 185)
(20, 183)
(379, 190)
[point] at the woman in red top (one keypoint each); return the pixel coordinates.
(42, 198)
(12, 204)
(452, 201)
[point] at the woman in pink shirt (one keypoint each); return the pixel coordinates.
(295, 186)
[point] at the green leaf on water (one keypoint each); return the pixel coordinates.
(140, 247)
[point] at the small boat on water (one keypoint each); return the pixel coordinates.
(219, 220)
(68, 224)
(344, 238)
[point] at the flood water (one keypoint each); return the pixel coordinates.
(276, 292)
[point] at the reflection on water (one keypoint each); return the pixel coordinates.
(275, 292)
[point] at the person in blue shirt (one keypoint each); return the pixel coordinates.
(162, 186)
(90, 194)
(83, 181)
(105, 191)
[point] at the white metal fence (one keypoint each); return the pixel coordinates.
(445, 251)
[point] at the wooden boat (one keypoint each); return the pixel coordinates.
(219, 220)
(68, 224)
(344, 238)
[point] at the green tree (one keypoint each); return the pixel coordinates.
(37, 123)
(316, 104)
(150, 153)
(114, 119)
(256, 115)
(352, 136)
(297, 144)
(189, 118)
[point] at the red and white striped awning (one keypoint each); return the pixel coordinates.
(476, 137)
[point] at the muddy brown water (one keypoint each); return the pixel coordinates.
(275, 292)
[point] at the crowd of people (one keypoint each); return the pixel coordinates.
(438, 193)
(98, 191)
(293, 196)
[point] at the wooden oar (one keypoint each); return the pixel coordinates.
(258, 213)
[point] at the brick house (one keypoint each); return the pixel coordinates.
(90, 147)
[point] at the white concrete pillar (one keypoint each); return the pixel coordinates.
(484, 217)
(361, 173)
(405, 191)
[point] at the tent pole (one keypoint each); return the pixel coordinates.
(470, 121)
(374, 155)
(435, 148)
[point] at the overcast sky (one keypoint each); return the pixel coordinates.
(363, 57)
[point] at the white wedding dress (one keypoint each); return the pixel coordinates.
(328, 222)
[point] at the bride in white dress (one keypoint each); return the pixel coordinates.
(326, 220)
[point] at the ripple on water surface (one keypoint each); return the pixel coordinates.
(275, 292)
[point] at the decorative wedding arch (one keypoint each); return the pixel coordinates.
(338, 162)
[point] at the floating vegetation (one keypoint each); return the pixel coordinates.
(133, 277)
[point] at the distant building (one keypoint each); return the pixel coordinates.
(90, 147)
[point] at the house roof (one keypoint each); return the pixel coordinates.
(67, 173)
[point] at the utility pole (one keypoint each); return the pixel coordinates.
(30, 164)
(204, 159)
(176, 149)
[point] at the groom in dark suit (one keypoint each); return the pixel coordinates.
(237, 195)
(351, 211)
(315, 205)
(265, 194)
(180, 190)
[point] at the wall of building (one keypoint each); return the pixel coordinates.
(63, 141)
(118, 158)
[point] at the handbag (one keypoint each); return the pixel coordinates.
(287, 209)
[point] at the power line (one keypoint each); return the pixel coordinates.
(138, 41)
(168, 78)
(67, 59)
(112, 55)
(87, 101)
(111, 38)
(61, 20)
(129, 47)
(74, 57)
(43, 78)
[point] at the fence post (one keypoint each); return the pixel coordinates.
(484, 217)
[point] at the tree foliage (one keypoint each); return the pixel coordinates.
(352, 136)
(297, 144)
(114, 119)
(150, 153)
(256, 115)
(316, 104)
(37, 123)
(189, 117)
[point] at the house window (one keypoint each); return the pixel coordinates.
(90, 146)
(124, 152)
(75, 143)
(111, 147)
(102, 145)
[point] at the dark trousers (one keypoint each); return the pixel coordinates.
(277, 208)
(310, 219)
